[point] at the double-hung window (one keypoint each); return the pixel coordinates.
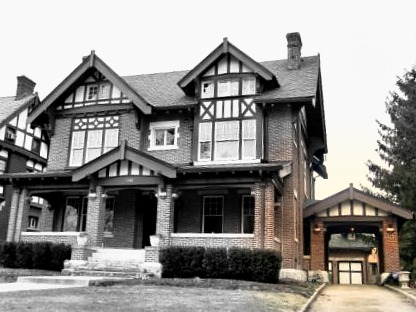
(92, 137)
(213, 210)
(247, 214)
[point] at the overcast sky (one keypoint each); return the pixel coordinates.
(363, 45)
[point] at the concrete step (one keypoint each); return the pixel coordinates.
(76, 281)
(105, 273)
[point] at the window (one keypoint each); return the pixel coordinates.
(109, 214)
(33, 222)
(248, 214)
(249, 86)
(92, 137)
(163, 135)
(35, 145)
(207, 89)
(92, 92)
(75, 218)
(10, 135)
(228, 88)
(213, 214)
(227, 140)
(2, 165)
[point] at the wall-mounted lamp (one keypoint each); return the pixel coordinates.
(175, 195)
(160, 195)
(92, 195)
(317, 229)
(104, 195)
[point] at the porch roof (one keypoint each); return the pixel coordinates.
(352, 193)
(123, 151)
(272, 166)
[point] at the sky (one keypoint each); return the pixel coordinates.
(363, 46)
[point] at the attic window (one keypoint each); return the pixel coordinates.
(207, 89)
(164, 135)
(92, 92)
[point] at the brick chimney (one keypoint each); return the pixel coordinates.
(294, 47)
(25, 87)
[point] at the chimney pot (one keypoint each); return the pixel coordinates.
(294, 47)
(25, 87)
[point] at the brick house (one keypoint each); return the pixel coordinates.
(220, 155)
(22, 149)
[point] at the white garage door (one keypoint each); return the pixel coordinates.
(350, 272)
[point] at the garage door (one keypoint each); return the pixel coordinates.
(350, 272)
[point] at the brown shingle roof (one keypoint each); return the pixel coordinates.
(9, 107)
(161, 89)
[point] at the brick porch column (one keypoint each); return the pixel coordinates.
(165, 215)
(95, 218)
(317, 246)
(269, 216)
(259, 212)
(13, 215)
(391, 247)
(22, 214)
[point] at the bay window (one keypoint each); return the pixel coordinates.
(92, 137)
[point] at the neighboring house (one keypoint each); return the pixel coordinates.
(221, 155)
(22, 149)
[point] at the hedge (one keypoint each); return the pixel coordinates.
(241, 264)
(43, 255)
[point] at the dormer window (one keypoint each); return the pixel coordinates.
(207, 90)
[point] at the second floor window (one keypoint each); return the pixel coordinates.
(229, 133)
(92, 137)
(163, 135)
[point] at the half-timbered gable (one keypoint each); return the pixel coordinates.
(22, 149)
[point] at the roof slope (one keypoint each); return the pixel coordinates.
(10, 108)
(161, 90)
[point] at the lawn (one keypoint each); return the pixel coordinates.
(164, 295)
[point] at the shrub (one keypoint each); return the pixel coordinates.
(242, 264)
(59, 253)
(265, 266)
(182, 261)
(41, 255)
(24, 255)
(239, 263)
(8, 255)
(215, 263)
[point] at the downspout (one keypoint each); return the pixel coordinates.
(263, 219)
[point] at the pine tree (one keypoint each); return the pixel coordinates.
(397, 150)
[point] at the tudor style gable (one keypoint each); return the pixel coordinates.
(228, 123)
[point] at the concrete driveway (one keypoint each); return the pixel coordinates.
(359, 298)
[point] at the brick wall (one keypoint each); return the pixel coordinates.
(129, 131)
(69, 238)
(214, 240)
(59, 145)
(279, 134)
(317, 248)
(391, 247)
(183, 154)
(95, 218)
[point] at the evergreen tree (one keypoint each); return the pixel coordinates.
(396, 178)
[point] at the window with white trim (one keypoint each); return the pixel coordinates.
(213, 213)
(92, 137)
(247, 213)
(164, 135)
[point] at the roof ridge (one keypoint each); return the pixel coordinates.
(159, 73)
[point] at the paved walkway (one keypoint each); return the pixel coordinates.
(6, 287)
(359, 298)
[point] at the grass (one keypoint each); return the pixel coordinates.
(171, 295)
